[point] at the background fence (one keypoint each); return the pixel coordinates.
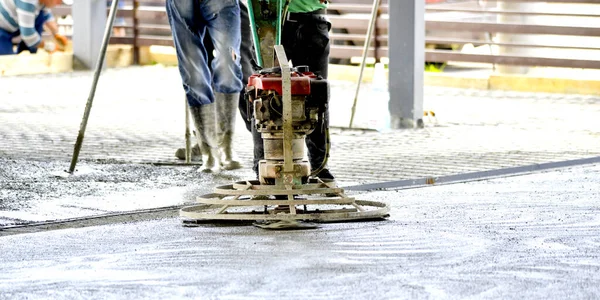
(551, 33)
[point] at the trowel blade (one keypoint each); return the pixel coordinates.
(285, 225)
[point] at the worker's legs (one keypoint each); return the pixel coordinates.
(224, 30)
(306, 42)
(246, 56)
(208, 45)
(247, 53)
(226, 114)
(259, 148)
(188, 29)
(205, 123)
(226, 102)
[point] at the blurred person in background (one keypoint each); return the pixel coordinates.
(23, 21)
(119, 21)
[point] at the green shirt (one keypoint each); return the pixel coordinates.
(304, 6)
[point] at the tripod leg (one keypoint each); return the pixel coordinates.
(99, 63)
(374, 12)
(188, 144)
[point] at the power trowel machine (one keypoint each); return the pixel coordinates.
(287, 103)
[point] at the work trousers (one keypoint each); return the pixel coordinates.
(190, 20)
(247, 55)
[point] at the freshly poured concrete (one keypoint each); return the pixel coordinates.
(526, 237)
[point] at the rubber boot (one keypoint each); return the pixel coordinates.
(204, 120)
(195, 155)
(259, 148)
(227, 107)
(316, 143)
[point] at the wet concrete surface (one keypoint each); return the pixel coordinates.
(526, 237)
(34, 191)
(137, 124)
(142, 120)
(531, 236)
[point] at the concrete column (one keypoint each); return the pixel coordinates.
(89, 22)
(516, 38)
(407, 62)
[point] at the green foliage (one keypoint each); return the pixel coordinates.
(434, 67)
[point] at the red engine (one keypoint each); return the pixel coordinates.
(309, 95)
(271, 81)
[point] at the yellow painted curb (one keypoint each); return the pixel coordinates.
(523, 83)
(546, 85)
(58, 62)
(350, 73)
(162, 55)
(450, 80)
(119, 56)
(40, 63)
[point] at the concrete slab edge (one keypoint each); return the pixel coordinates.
(96, 220)
(472, 176)
(172, 211)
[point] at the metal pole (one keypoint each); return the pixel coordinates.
(88, 106)
(374, 12)
(188, 143)
(136, 33)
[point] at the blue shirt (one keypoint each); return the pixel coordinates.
(19, 16)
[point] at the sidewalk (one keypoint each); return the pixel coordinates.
(138, 117)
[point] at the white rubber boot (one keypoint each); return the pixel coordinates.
(227, 107)
(204, 121)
